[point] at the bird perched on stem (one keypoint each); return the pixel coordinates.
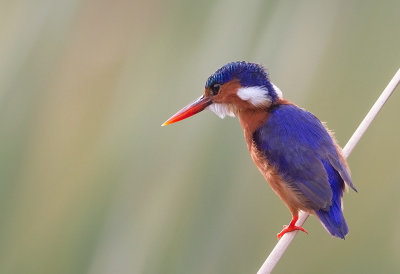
(294, 151)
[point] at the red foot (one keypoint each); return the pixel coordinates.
(291, 227)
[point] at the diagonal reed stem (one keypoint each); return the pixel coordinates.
(280, 248)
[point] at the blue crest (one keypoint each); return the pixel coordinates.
(249, 75)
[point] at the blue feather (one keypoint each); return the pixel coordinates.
(300, 148)
(249, 75)
(333, 219)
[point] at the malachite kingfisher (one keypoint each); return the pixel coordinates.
(295, 152)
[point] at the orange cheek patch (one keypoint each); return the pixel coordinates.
(228, 95)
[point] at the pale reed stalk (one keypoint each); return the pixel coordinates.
(280, 248)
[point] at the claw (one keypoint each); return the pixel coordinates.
(291, 227)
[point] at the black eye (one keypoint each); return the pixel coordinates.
(215, 89)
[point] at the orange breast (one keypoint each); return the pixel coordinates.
(250, 122)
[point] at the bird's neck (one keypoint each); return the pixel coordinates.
(251, 120)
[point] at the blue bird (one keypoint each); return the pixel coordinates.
(294, 151)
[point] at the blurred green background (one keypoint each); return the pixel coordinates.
(90, 182)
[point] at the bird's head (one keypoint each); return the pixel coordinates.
(236, 87)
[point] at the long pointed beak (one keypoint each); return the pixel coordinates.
(198, 105)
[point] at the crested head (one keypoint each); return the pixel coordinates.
(249, 75)
(240, 85)
(237, 87)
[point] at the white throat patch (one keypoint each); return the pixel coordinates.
(278, 91)
(221, 110)
(257, 96)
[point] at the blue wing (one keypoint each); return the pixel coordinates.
(297, 144)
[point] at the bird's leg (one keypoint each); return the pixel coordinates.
(291, 227)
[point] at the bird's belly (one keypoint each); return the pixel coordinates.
(293, 199)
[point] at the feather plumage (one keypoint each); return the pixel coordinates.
(293, 150)
(300, 148)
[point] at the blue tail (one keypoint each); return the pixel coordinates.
(334, 221)
(333, 218)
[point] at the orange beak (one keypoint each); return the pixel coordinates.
(198, 105)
